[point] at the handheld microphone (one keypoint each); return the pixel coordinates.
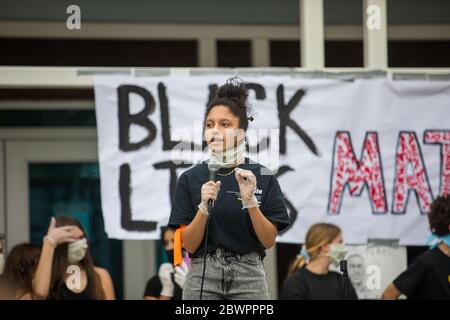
(343, 266)
(213, 168)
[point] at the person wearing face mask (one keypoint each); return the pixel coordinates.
(169, 282)
(309, 277)
(428, 276)
(65, 269)
(248, 212)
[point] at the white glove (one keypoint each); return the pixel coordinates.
(209, 191)
(165, 272)
(180, 274)
(247, 187)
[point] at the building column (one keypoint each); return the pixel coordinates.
(207, 52)
(375, 34)
(312, 34)
(260, 52)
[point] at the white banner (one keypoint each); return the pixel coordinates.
(369, 155)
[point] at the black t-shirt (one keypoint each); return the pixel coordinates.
(305, 285)
(154, 287)
(427, 277)
(67, 294)
(230, 226)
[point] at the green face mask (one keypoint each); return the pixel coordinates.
(337, 252)
(77, 250)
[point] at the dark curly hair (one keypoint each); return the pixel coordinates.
(439, 216)
(233, 94)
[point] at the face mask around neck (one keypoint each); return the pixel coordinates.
(434, 240)
(229, 157)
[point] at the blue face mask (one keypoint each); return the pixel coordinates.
(434, 240)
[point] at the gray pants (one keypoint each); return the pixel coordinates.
(227, 277)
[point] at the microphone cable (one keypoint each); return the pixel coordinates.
(212, 177)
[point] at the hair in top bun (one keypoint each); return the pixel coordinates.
(234, 95)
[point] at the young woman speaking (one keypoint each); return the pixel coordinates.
(248, 209)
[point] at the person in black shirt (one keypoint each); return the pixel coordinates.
(309, 277)
(65, 255)
(168, 283)
(428, 276)
(248, 212)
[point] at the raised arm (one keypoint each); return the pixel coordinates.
(43, 274)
